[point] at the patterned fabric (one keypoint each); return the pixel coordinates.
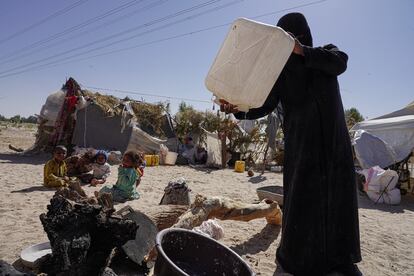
(100, 171)
(127, 178)
(125, 187)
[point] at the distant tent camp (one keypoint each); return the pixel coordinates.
(76, 117)
(385, 140)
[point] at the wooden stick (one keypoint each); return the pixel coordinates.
(164, 216)
(227, 209)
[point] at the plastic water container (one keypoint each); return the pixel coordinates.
(152, 160)
(170, 158)
(239, 166)
(249, 63)
(148, 160)
(155, 159)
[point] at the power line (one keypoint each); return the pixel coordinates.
(192, 32)
(155, 29)
(153, 22)
(289, 9)
(122, 40)
(76, 27)
(53, 15)
(145, 94)
(76, 36)
(10, 57)
(60, 62)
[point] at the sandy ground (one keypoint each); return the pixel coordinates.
(387, 232)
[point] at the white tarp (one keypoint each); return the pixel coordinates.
(372, 151)
(142, 141)
(247, 125)
(213, 147)
(396, 134)
(50, 110)
(408, 110)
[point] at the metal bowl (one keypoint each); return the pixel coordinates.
(31, 254)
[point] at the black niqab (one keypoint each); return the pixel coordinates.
(296, 24)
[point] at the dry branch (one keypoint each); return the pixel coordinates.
(223, 208)
(166, 215)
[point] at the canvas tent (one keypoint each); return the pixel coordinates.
(385, 140)
(406, 111)
(102, 122)
(117, 132)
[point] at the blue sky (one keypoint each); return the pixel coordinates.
(376, 34)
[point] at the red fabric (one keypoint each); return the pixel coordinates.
(72, 100)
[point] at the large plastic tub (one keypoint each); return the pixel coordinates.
(249, 62)
(184, 252)
(170, 158)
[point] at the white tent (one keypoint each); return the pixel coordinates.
(408, 110)
(385, 140)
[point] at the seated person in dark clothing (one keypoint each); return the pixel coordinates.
(200, 155)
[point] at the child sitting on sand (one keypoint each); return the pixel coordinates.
(128, 179)
(55, 169)
(100, 169)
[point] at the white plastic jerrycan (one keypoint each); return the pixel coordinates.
(249, 63)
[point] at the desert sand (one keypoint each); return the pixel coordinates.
(387, 232)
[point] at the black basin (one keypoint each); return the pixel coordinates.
(184, 252)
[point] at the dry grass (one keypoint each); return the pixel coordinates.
(148, 116)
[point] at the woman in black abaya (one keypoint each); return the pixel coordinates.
(320, 231)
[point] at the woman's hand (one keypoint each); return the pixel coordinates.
(227, 107)
(298, 49)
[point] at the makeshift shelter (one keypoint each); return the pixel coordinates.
(408, 110)
(76, 117)
(121, 132)
(385, 140)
